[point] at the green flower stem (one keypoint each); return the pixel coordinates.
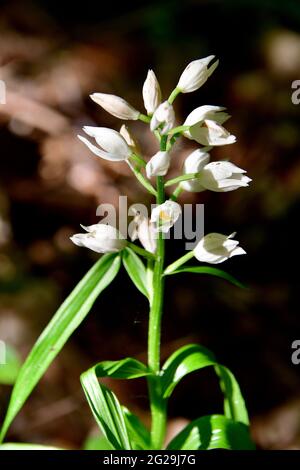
(178, 179)
(174, 95)
(178, 130)
(144, 118)
(143, 181)
(157, 402)
(172, 267)
(138, 159)
(140, 251)
(176, 193)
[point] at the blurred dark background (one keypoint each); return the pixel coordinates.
(52, 56)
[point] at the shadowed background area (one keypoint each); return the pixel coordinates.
(51, 59)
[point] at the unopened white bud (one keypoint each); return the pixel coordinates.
(116, 106)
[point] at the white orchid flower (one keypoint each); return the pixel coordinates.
(215, 248)
(196, 74)
(210, 133)
(164, 115)
(116, 106)
(220, 176)
(143, 229)
(165, 215)
(223, 177)
(100, 238)
(113, 145)
(151, 92)
(158, 165)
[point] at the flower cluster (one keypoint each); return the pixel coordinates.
(204, 125)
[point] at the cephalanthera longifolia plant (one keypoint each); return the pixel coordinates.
(146, 268)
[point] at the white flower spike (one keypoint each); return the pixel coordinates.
(151, 93)
(164, 115)
(165, 215)
(216, 248)
(143, 229)
(196, 74)
(116, 106)
(210, 133)
(158, 165)
(113, 145)
(100, 238)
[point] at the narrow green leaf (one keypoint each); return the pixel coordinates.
(10, 369)
(211, 271)
(107, 410)
(234, 404)
(68, 317)
(138, 433)
(213, 432)
(136, 270)
(182, 362)
(127, 368)
(193, 357)
(23, 446)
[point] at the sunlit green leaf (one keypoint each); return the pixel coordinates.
(107, 410)
(213, 432)
(68, 317)
(138, 433)
(127, 368)
(211, 271)
(182, 362)
(193, 357)
(136, 270)
(234, 403)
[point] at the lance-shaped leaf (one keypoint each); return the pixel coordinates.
(193, 357)
(127, 368)
(136, 270)
(213, 432)
(138, 433)
(211, 271)
(107, 410)
(68, 317)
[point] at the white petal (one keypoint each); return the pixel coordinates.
(99, 152)
(206, 112)
(165, 215)
(195, 74)
(110, 140)
(158, 165)
(165, 115)
(151, 92)
(211, 133)
(115, 105)
(193, 164)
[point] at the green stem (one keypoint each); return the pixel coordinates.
(178, 179)
(176, 193)
(172, 267)
(140, 251)
(144, 118)
(173, 95)
(157, 402)
(143, 180)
